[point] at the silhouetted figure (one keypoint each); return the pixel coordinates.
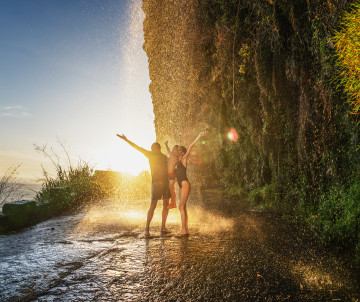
(160, 183)
(172, 162)
(184, 185)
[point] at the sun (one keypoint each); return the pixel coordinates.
(130, 162)
(123, 159)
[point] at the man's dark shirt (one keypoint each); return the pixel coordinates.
(157, 161)
(158, 166)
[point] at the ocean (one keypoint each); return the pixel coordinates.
(28, 191)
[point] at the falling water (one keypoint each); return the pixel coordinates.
(135, 92)
(235, 252)
(135, 117)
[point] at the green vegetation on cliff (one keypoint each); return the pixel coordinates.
(266, 69)
(348, 56)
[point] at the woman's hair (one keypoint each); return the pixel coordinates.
(183, 149)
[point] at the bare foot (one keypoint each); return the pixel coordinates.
(147, 234)
(165, 230)
(171, 206)
(180, 235)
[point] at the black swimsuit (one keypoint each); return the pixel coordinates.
(181, 173)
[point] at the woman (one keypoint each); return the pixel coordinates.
(172, 162)
(184, 185)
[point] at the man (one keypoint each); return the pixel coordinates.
(160, 182)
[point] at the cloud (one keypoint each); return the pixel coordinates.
(16, 111)
(16, 107)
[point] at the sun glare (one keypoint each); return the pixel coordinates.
(233, 135)
(122, 158)
(129, 162)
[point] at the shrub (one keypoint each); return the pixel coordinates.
(269, 196)
(10, 186)
(238, 191)
(82, 183)
(338, 215)
(77, 179)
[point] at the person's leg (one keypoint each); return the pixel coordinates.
(150, 216)
(186, 214)
(184, 193)
(165, 213)
(172, 192)
(186, 220)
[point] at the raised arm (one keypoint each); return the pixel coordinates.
(167, 147)
(187, 154)
(135, 146)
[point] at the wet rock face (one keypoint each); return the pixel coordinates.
(172, 34)
(233, 253)
(185, 102)
(263, 68)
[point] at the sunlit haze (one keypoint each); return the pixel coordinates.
(73, 71)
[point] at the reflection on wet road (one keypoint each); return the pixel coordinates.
(234, 253)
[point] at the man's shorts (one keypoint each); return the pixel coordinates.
(160, 190)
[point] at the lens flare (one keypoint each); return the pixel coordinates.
(233, 135)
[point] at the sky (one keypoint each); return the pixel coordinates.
(74, 71)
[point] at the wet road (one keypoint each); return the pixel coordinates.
(234, 253)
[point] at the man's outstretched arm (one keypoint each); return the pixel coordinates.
(135, 146)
